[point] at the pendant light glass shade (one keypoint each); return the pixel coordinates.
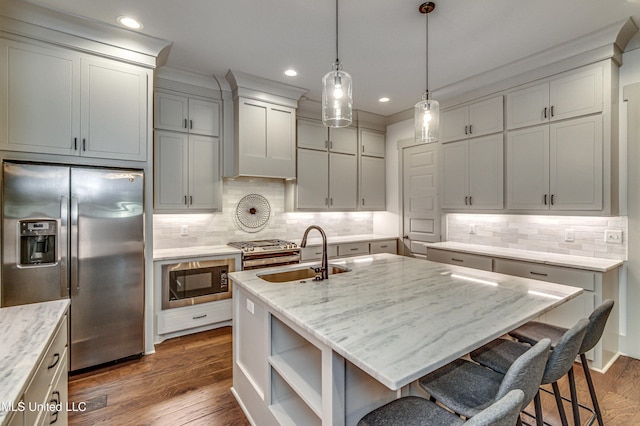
(427, 119)
(337, 100)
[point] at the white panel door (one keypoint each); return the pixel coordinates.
(528, 168)
(576, 94)
(486, 117)
(455, 175)
(528, 107)
(205, 185)
(421, 214)
(486, 172)
(343, 140)
(454, 124)
(170, 170)
(39, 99)
(312, 135)
(204, 117)
(312, 185)
(576, 150)
(170, 112)
(114, 110)
(343, 182)
(372, 183)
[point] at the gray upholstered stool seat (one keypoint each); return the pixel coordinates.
(533, 331)
(468, 388)
(500, 354)
(416, 411)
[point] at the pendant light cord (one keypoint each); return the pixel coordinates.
(337, 56)
(426, 17)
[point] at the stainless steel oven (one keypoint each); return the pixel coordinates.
(190, 283)
(266, 253)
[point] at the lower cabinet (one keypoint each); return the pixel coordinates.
(349, 249)
(190, 317)
(597, 286)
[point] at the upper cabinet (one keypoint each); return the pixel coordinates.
(264, 126)
(473, 120)
(371, 178)
(568, 95)
(57, 101)
(186, 114)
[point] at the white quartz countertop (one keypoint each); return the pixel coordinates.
(578, 262)
(314, 238)
(202, 251)
(25, 333)
(398, 318)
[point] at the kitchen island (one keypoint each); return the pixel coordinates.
(328, 352)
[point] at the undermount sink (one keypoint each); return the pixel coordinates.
(300, 274)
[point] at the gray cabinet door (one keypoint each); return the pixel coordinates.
(528, 169)
(312, 185)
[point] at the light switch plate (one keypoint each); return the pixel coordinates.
(613, 236)
(184, 230)
(250, 306)
(569, 235)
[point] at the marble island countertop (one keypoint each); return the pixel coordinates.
(25, 333)
(555, 259)
(398, 318)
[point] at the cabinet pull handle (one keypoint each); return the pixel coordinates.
(190, 199)
(354, 249)
(538, 273)
(470, 200)
(326, 144)
(362, 148)
(551, 199)
(56, 357)
(185, 123)
(330, 144)
(466, 203)
(200, 316)
(75, 144)
(470, 128)
(84, 144)
(457, 260)
(545, 112)
(56, 397)
(54, 420)
(185, 201)
(190, 124)
(326, 201)
(545, 199)
(330, 201)
(552, 111)
(363, 201)
(465, 130)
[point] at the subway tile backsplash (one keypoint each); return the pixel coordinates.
(220, 228)
(540, 233)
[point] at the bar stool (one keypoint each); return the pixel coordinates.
(501, 353)
(467, 388)
(533, 331)
(416, 411)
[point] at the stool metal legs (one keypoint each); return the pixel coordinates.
(592, 390)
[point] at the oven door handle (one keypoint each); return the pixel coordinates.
(268, 261)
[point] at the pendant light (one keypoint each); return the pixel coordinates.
(427, 111)
(337, 101)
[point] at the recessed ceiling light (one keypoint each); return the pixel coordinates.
(291, 72)
(383, 100)
(129, 22)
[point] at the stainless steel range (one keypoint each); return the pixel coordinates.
(266, 253)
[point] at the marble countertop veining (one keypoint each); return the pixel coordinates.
(398, 318)
(201, 251)
(25, 333)
(554, 259)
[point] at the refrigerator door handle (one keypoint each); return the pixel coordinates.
(75, 283)
(62, 246)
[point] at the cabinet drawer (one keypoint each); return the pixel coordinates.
(555, 274)
(315, 252)
(353, 249)
(389, 246)
(461, 259)
(54, 360)
(177, 319)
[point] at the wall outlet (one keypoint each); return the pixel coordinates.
(184, 230)
(472, 228)
(569, 235)
(250, 306)
(613, 236)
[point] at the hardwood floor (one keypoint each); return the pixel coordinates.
(187, 381)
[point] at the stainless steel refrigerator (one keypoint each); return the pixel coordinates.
(78, 232)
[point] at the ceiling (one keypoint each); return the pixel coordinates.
(382, 42)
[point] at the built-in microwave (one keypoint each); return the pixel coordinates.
(190, 283)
